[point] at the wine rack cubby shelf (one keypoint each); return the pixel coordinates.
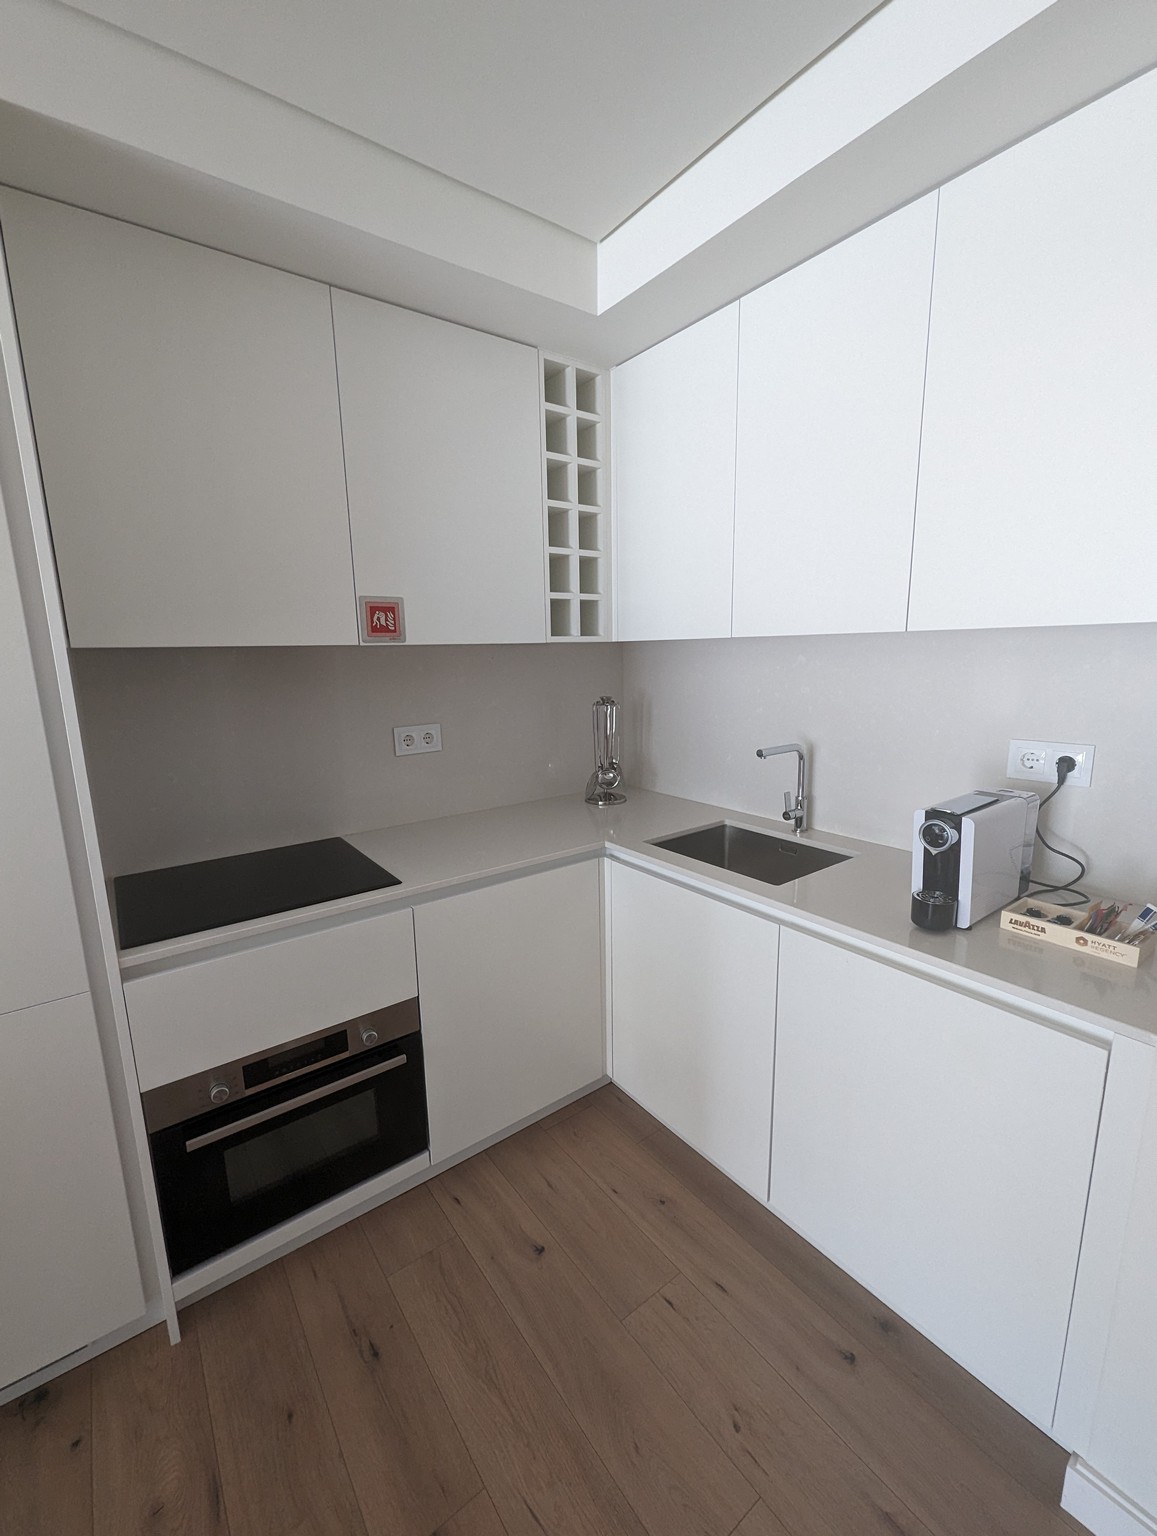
(575, 485)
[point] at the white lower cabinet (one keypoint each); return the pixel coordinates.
(509, 978)
(68, 1263)
(939, 1149)
(1121, 1446)
(693, 1018)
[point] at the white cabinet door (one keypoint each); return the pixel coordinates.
(68, 1265)
(939, 1150)
(674, 474)
(831, 386)
(186, 413)
(1039, 454)
(190, 1016)
(510, 981)
(40, 950)
(1124, 1432)
(693, 1018)
(444, 467)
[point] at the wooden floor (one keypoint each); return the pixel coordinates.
(586, 1331)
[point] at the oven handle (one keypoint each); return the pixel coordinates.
(277, 1110)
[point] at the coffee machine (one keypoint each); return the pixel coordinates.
(971, 855)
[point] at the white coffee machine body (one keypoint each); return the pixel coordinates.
(971, 855)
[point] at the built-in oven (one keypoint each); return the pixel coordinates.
(244, 1147)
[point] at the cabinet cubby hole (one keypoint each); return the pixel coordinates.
(561, 617)
(589, 440)
(586, 390)
(588, 488)
(554, 383)
(589, 567)
(558, 528)
(558, 433)
(591, 619)
(558, 486)
(561, 573)
(588, 531)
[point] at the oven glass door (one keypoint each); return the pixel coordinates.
(231, 1174)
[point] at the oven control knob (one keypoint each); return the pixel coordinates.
(218, 1093)
(369, 1036)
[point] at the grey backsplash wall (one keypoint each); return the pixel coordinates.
(197, 753)
(898, 721)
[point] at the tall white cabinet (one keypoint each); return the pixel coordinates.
(443, 453)
(1039, 452)
(68, 1264)
(831, 386)
(186, 416)
(674, 484)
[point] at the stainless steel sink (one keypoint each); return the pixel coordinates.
(759, 855)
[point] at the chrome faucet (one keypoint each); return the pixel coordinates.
(795, 810)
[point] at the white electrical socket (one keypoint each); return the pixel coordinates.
(409, 739)
(1038, 760)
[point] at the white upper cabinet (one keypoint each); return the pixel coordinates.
(40, 950)
(444, 469)
(1039, 454)
(186, 414)
(674, 497)
(831, 384)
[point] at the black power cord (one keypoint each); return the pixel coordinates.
(1065, 766)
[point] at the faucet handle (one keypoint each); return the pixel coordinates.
(789, 806)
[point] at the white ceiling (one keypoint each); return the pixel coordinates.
(575, 110)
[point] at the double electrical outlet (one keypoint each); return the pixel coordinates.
(409, 739)
(1038, 760)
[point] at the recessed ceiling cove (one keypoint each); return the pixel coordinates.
(577, 112)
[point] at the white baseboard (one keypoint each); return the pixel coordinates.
(1092, 1500)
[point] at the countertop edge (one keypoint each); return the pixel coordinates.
(634, 850)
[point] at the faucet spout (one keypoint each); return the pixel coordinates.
(795, 810)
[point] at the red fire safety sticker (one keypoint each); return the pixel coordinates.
(382, 618)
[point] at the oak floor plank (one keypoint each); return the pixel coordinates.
(46, 1459)
(576, 1106)
(281, 1467)
(621, 1110)
(405, 1457)
(800, 1467)
(479, 1518)
(935, 1469)
(619, 1260)
(674, 1475)
(1022, 1449)
(761, 1522)
(537, 1466)
(405, 1228)
(154, 1458)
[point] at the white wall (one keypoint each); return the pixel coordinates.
(197, 753)
(897, 721)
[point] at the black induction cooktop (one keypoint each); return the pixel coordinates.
(188, 898)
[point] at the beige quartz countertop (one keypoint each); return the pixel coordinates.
(862, 902)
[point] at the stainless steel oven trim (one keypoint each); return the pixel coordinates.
(187, 1098)
(275, 1111)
